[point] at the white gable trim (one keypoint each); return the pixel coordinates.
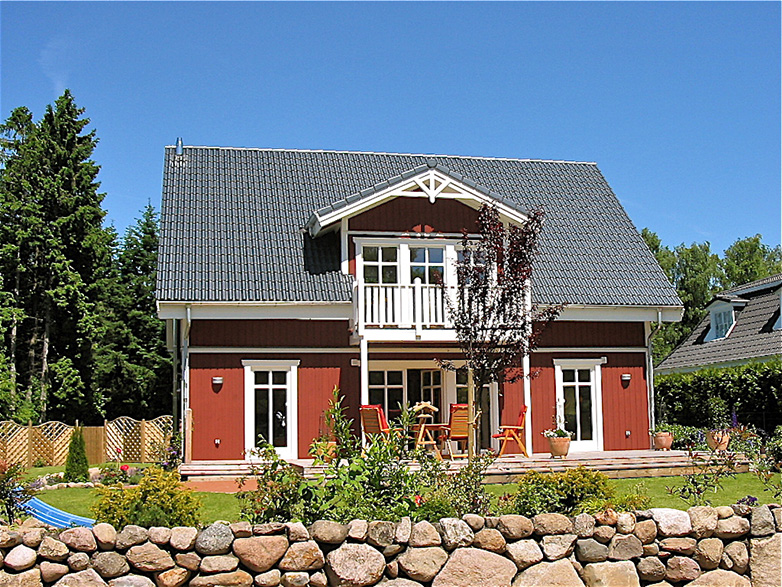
(431, 184)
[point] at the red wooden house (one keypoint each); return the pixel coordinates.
(284, 273)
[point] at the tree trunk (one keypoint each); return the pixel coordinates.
(13, 335)
(470, 416)
(45, 361)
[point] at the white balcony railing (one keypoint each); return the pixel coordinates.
(417, 306)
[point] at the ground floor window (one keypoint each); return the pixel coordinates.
(270, 405)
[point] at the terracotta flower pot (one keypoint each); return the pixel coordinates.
(718, 439)
(559, 446)
(663, 440)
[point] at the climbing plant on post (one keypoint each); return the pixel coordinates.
(492, 312)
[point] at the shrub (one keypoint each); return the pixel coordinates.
(76, 466)
(447, 496)
(158, 500)
(13, 494)
(537, 493)
(168, 454)
(276, 497)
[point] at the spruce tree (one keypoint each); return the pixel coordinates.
(76, 466)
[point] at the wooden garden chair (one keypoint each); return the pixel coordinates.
(373, 421)
(508, 433)
(458, 428)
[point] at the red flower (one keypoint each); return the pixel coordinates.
(418, 500)
(124, 468)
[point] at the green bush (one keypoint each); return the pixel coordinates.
(453, 495)
(13, 494)
(158, 500)
(276, 497)
(76, 466)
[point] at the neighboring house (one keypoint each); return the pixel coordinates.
(285, 273)
(742, 325)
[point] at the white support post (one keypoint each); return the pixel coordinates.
(363, 347)
(527, 402)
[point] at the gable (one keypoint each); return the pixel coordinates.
(417, 215)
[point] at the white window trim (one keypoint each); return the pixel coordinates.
(403, 256)
(595, 366)
(252, 365)
(713, 312)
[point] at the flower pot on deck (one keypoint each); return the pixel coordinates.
(662, 440)
(718, 439)
(558, 446)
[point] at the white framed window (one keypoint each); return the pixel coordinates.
(387, 389)
(722, 320)
(381, 264)
(271, 405)
(579, 406)
(427, 263)
(385, 261)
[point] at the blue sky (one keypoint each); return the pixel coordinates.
(678, 103)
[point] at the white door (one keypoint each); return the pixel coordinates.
(270, 406)
(579, 402)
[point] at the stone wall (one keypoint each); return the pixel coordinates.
(726, 546)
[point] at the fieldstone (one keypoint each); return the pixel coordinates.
(219, 563)
(545, 524)
(244, 529)
(20, 558)
(32, 537)
(105, 535)
(131, 581)
(732, 528)
(159, 535)
(33, 523)
(268, 529)
(9, 538)
(624, 547)
(183, 538)
(514, 527)
(295, 579)
(329, 532)
(456, 533)
(558, 546)
(604, 533)
(720, 578)
(78, 561)
(403, 530)
(392, 569)
(762, 521)
(651, 568)
(216, 539)
(724, 511)
(589, 550)
(765, 561)
(358, 529)
(297, 532)
(679, 545)
(708, 553)
(625, 523)
(474, 521)
(268, 579)
(354, 565)
(524, 553)
(149, 557)
(651, 549)
(302, 556)
(422, 564)
(260, 553)
(131, 536)
(467, 567)
(704, 520)
(392, 550)
(401, 582)
(621, 574)
(175, 577)
(491, 521)
(737, 556)
(381, 533)
(51, 572)
(584, 525)
(681, 568)
(81, 539)
(645, 531)
(607, 517)
(233, 579)
(319, 579)
(88, 578)
(31, 578)
(424, 534)
(741, 509)
(671, 522)
(109, 564)
(660, 584)
(489, 539)
(188, 560)
(560, 574)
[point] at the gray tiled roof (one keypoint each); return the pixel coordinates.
(231, 225)
(752, 337)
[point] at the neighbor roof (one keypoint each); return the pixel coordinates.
(231, 225)
(752, 337)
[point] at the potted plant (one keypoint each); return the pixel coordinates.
(662, 437)
(718, 436)
(558, 441)
(718, 439)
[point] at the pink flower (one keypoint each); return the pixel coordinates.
(124, 468)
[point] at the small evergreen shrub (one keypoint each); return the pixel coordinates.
(158, 500)
(76, 466)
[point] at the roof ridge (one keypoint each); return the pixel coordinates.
(768, 281)
(342, 151)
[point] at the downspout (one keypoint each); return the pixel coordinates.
(185, 395)
(650, 367)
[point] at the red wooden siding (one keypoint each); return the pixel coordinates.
(568, 333)
(624, 408)
(511, 401)
(221, 415)
(270, 333)
(417, 215)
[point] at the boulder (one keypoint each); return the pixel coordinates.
(188, 560)
(489, 539)
(20, 558)
(244, 529)
(777, 512)
(646, 531)
(422, 564)
(762, 521)
(679, 545)
(514, 527)
(524, 553)
(545, 524)
(295, 579)
(219, 563)
(671, 522)
(584, 525)
(183, 538)
(149, 557)
(558, 546)
(31, 578)
(708, 553)
(467, 567)
(765, 561)
(86, 578)
(625, 523)
(329, 532)
(233, 579)
(424, 534)
(302, 556)
(607, 517)
(474, 521)
(735, 557)
(78, 561)
(131, 536)
(32, 537)
(651, 549)
(704, 520)
(81, 539)
(619, 574)
(176, 577)
(260, 553)
(131, 581)
(297, 532)
(455, 533)
(651, 569)
(392, 550)
(401, 583)
(680, 568)
(381, 534)
(625, 547)
(319, 579)
(109, 564)
(724, 511)
(557, 574)
(159, 535)
(268, 579)
(589, 550)
(105, 536)
(720, 578)
(51, 572)
(403, 530)
(604, 533)
(358, 530)
(53, 550)
(354, 565)
(9, 538)
(268, 529)
(216, 539)
(732, 528)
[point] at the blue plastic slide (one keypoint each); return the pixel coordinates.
(50, 515)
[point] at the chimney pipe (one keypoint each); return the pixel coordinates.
(179, 145)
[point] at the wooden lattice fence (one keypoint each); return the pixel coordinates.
(123, 439)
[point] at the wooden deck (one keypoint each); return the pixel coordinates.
(615, 464)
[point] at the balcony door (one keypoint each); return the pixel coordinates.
(579, 402)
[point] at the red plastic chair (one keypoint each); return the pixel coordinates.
(508, 433)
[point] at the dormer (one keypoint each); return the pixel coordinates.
(723, 311)
(778, 324)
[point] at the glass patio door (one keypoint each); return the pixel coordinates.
(270, 406)
(578, 399)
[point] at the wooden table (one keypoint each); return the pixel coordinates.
(424, 436)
